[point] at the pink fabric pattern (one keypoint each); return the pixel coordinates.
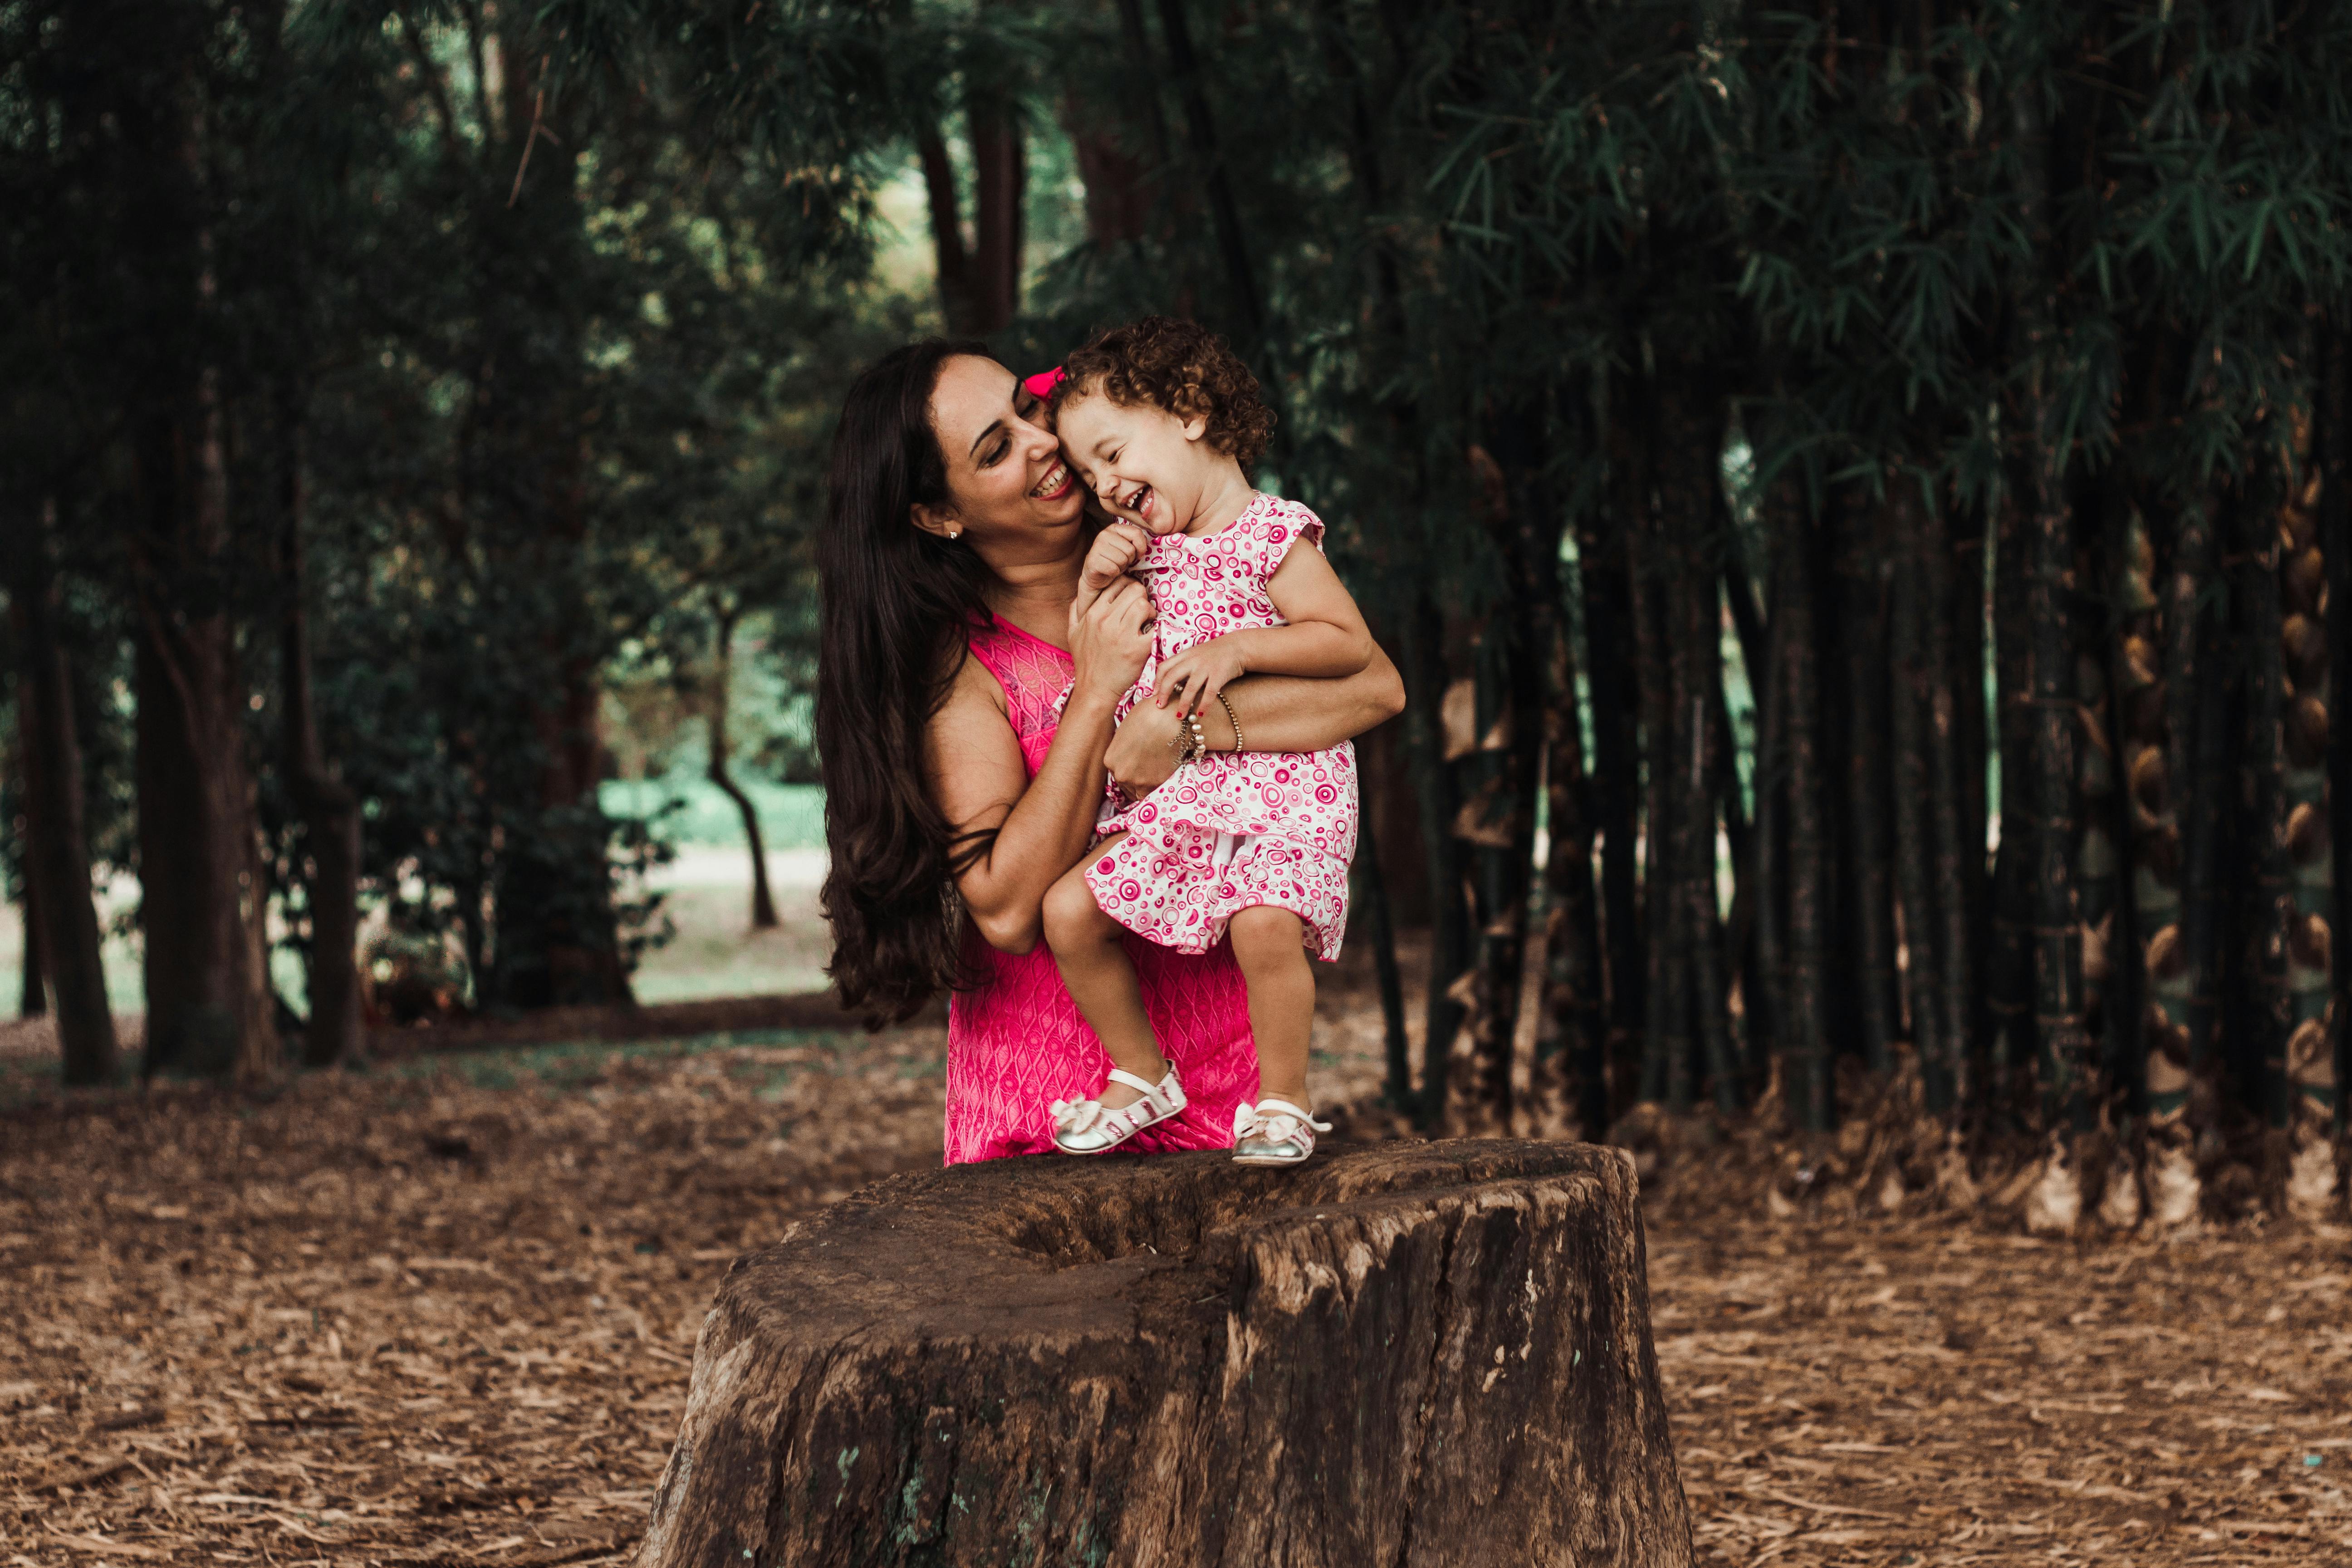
(1235, 828)
(1016, 1043)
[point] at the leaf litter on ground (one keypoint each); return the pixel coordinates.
(444, 1313)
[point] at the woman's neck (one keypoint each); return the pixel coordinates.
(1034, 595)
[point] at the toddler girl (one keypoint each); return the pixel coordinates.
(1163, 423)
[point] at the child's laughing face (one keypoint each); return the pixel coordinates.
(1142, 463)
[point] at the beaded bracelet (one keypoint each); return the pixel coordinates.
(1230, 719)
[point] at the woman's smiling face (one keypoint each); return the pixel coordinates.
(1143, 463)
(1005, 475)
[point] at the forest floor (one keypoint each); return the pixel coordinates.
(443, 1311)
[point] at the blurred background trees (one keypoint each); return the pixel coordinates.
(1857, 492)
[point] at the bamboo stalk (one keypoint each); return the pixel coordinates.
(1602, 557)
(1804, 1039)
(1867, 849)
(1954, 994)
(1436, 793)
(2335, 518)
(1914, 856)
(2267, 904)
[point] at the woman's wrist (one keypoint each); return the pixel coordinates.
(1221, 720)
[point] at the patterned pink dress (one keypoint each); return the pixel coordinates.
(1235, 828)
(1016, 1043)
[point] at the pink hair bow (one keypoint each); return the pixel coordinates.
(1042, 385)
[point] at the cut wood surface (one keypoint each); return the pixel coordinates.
(1402, 1354)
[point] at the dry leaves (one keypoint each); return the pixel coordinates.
(444, 1313)
(1913, 1390)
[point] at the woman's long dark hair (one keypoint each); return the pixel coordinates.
(896, 605)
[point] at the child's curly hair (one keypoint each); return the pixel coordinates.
(1181, 367)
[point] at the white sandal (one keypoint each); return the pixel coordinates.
(1086, 1127)
(1273, 1132)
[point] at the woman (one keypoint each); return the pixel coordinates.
(953, 787)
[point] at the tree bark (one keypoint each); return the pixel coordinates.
(2309, 1048)
(1690, 429)
(1435, 790)
(61, 930)
(951, 264)
(1571, 1053)
(1373, 896)
(1802, 1025)
(1603, 564)
(2267, 897)
(1000, 179)
(1954, 996)
(2010, 974)
(720, 689)
(330, 810)
(32, 968)
(1200, 128)
(1866, 849)
(1914, 768)
(2334, 463)
(1180, 1360)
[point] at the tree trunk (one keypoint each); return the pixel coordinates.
(1866, 848)
(2009, 987)
(1000, 177)
(1372, 898)
(951, 264)
(1690, 430)
(719, 691)
(2154, 725)
(1434, 789)
(2310, 1084)
(1224, 214)
(1572, 1054)
(1289, 1369)
(61, 930)
(1601, 561)
(2335, 464)
(2099, 874)
(1802, 1025)
(2267, 898)
(202, 901)
(1972, 738)
(1956, 993)
(1665, 1047)
(330, 810)
(32, 968)
(1914, 853)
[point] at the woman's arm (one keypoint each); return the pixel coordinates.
(1277, 713)
(1042, 824)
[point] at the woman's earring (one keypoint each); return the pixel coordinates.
(955, 533)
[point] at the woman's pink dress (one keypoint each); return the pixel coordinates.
(1016, 1043)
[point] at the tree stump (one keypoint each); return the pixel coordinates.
(1412, 1353)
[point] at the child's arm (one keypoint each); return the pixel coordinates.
(1326, 637)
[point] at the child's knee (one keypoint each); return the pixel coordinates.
(1071, 914)
(1265, 935)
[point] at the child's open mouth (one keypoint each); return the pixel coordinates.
(1054, 485)
(1141, 503)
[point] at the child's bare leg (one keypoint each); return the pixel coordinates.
(1270, 945)
(1086, 943)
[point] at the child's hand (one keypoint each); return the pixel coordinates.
(1117, 550)
(1195, 676)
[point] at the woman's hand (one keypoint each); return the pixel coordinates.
(1110, 640)
(1142, 750)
